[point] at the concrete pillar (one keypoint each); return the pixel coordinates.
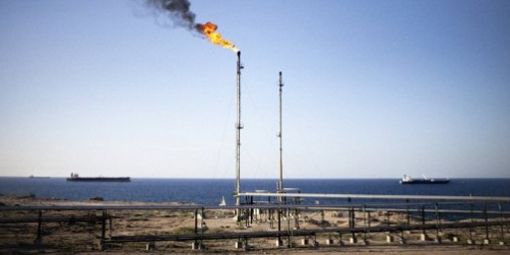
(389, 238)
(423, 237)
(330, 241)
(352, 240)
(304, 241)
(279, 243)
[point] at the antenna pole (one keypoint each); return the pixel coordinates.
(238, 130)
(280, 181)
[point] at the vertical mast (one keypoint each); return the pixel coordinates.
(280, 181)
(238, 130)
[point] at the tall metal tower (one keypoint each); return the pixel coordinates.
(280, 181)
(238, 130)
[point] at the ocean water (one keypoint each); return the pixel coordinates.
(210, 191)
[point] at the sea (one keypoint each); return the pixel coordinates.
(211, 191)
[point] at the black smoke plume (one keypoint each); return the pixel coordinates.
(178, 11)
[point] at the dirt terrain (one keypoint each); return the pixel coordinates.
(82, 237)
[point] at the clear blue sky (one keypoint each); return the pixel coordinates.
(372, 89)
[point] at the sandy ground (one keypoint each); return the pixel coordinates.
(75, 237)
(398, 250)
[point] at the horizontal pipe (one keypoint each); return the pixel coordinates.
(300, 232)
(51, 219)
(374, 196)
(358, 207)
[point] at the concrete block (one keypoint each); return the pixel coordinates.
(330, 241)
(470, 242)
(438, 239)
(304, 241)
(423, 237)
(150, 246)
(37, 242)
(486, 241)
(196, 246)
(100, 245)
(279, 243)
(389, 239)
(353, 240)
(238, 245)
(501, 242)
(455, 239)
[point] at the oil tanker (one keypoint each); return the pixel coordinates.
(76, 178)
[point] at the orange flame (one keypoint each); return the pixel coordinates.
(209, 30)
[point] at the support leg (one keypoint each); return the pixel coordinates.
(486, 219)
(38, 239)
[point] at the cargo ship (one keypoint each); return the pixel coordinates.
(76, 178)
(409, 180)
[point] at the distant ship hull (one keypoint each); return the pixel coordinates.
(38, 177)
(99, 179)
(425, 181)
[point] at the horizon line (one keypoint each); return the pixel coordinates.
(257, 178)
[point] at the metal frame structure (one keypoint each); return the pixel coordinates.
(427, 216)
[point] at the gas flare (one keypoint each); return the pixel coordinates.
(209, 30)
(179, 11)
